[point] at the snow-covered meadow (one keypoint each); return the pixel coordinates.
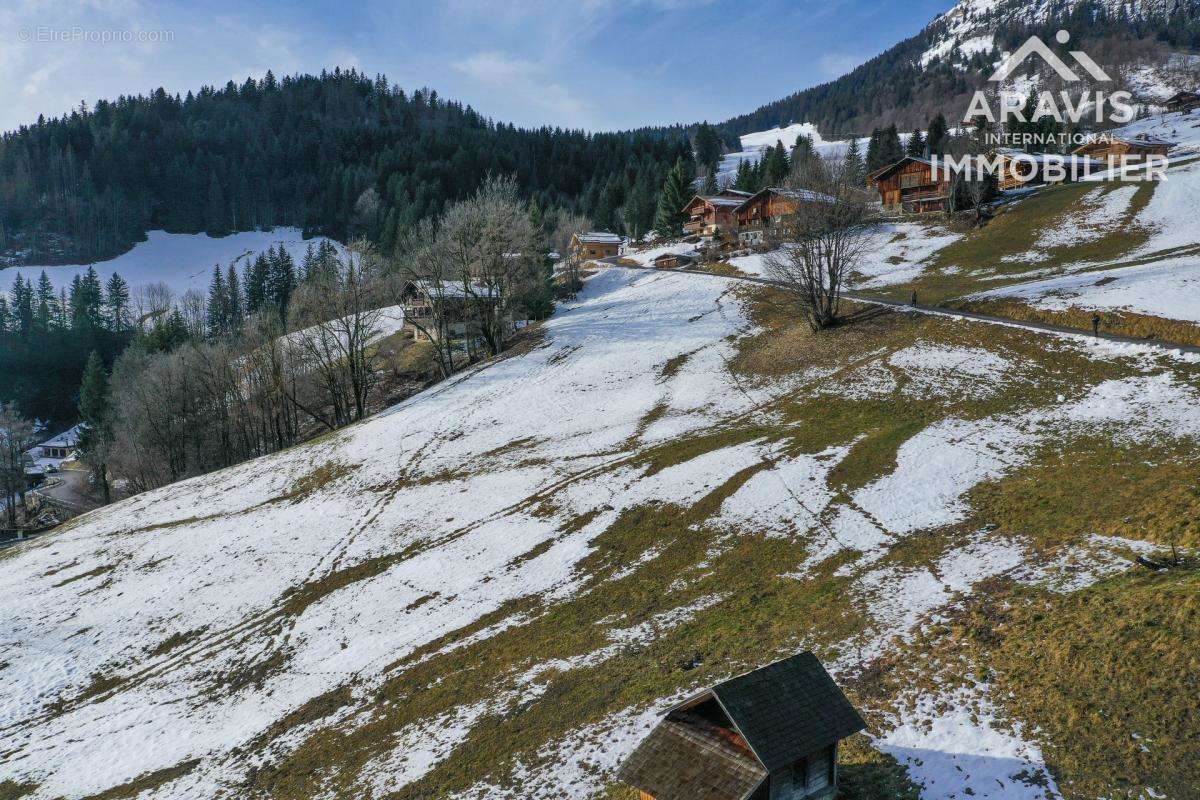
(196, 633)
(182, 261)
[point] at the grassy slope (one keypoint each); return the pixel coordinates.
(763, 612)
(753, 607)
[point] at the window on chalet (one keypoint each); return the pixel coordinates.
(910, 180)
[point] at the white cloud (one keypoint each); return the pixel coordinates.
(835, 65)
(524, 81)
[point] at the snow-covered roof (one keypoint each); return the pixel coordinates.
(68, 438)
(598, 237)
(724, 201)
(1145, 138)
(802, 195)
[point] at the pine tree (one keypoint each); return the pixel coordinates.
(745, 182)
(939, 130)
(45, 299)
(892, 149)
(281, 279)
(116, 301)
(6, 318)
(236, 309)
(710, 186)
(256, 284)
(708, 147)
(216, 213)
(669, 218)
(856, 168)
(22, 303)
(775, 165)
(916, 144)
(217, 316)
(874, 151)
(94, 413)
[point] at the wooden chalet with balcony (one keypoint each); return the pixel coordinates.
(1117, 150)
(1182, 102)
(709, 215)
(912, 186)
(764, 211)
(771, 734)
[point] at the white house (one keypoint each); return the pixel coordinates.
(52, 453)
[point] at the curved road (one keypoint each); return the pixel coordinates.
(870, 299)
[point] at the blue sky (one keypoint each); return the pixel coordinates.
(594, 64)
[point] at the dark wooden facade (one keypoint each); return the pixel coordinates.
(1183, 101)
(712, 214)
(1115, 150)
(912, 186)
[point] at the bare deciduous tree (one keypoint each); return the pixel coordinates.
(825, 240)
(16, 437)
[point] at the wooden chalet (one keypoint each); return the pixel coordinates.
(595, 244)
(1117, 149)
(712, 214)
(674, 260)
(454, 300)
(1018, 168)
(766, 735)
(1183, 101)
(912, 186)
(762, 212)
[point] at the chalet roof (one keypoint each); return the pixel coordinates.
(686, 255)
(598, 237)
(68, 438)
(716, 200)
(685, 758)
(883, 172)
(1184, 95)
(1142, 139)
(788, 709)
(800, 195)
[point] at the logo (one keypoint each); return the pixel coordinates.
(1036, 46)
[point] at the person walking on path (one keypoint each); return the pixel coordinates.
(1096, 325)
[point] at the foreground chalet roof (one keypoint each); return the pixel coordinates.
(788, 709)
(688, 757)
(598, 237)
(777, 715)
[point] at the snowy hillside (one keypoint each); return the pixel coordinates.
(486, 591)
(181, 260)
(967, 30)
(755, 144)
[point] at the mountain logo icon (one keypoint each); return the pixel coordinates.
(1035, 46)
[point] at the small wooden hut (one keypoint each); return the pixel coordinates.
(771, 733)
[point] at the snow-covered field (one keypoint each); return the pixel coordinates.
(180, 260)
(172, 631)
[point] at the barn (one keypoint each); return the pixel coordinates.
(769, 734)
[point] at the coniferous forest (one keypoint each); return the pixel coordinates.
(339, 154)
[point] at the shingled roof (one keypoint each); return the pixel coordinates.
(686, 757)
(788, 709)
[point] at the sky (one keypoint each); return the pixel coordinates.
(591, 64)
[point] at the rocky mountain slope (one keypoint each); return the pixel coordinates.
(1148, 46)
